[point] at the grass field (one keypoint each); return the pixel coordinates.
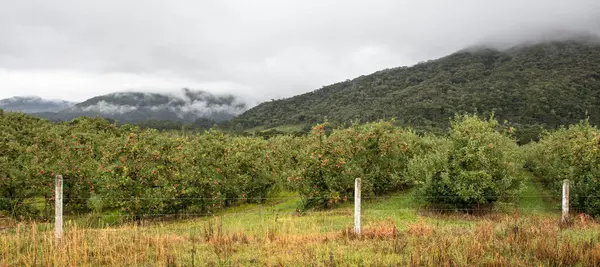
(291, 128)
(395, 233)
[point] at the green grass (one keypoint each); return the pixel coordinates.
(399, 207)
(534, 198)
(290, 128)
(283, 212)
(255, 129)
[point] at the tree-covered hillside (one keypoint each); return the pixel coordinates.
(155, 109)
(33, 104)
(543, 85)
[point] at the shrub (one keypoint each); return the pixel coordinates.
(140, 173)
(570, 153)
(155, 173)
(477, 165)
(283, 155)
(23, 184)
(378, 153)
(128, 171)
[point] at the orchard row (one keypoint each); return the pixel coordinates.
(127, 170)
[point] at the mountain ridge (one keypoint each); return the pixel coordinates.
(33, 104)
(533, 86)
(541, 85)
(185, 106)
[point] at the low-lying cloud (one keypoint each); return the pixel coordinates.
(108, 108)
(33, 104)
(185, 104)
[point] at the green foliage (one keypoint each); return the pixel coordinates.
(126, 170)
(570, 153)
(140, 173)
(240, 165)
(284, 157)
(19, 180)
(130, 172)
(378, 153)
(476, 166)
(544, 85)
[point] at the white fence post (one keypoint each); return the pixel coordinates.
(357, 206)
(58, 208)
(565, 202)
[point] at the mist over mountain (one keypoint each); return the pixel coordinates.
(185, 106)
(33, 104)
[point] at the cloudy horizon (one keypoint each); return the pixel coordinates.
(258, 50)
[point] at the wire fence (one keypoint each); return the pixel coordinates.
(268, 204)
(151, 208)
(288, 198)
(265, 221)
(147, 210)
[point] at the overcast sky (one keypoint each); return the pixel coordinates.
(259, 49)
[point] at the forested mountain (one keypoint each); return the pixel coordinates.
(33, 104)
(532, 86)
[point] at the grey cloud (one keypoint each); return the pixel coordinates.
(259, 49)
(108, 108)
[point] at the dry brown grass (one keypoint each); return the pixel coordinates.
(489, 241)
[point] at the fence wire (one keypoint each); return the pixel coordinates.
(287, 198)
